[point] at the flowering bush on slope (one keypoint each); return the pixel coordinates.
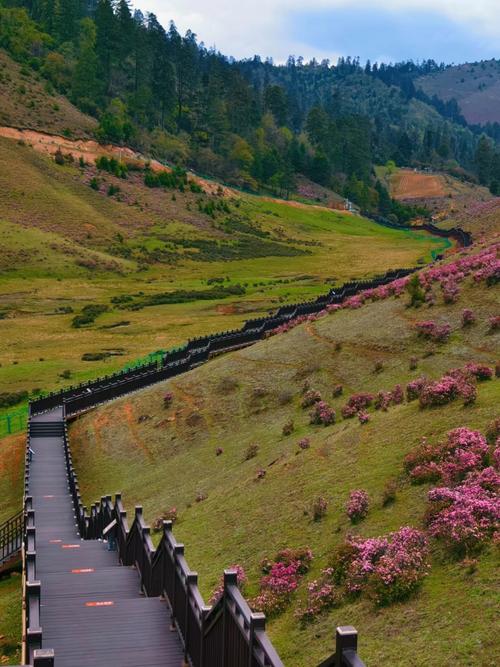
(281, 579)
(430, 330)
(466, 516)
(356, 403)
(357, 506)
(457, 382)
(322, 414)
(463, 451)
(388, 569)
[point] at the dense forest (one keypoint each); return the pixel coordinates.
(251, 123)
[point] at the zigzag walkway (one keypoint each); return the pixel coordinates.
(92, 612)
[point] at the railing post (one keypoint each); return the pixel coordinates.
(230, 579)
(346, 639)
(257, 622)
(43, 657)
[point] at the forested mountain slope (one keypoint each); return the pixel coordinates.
(251, 123)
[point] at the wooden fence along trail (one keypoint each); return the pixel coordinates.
(96, 591)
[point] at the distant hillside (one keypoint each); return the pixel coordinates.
(28, 101)
(475, 86)
(250, 123)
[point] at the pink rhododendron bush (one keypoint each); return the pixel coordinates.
(431, 330)
(357, 506)
(357, 403)
(464, 517)
(463, 451)
(281, 579)
(388, 569)
(322, 414)
(456, 383)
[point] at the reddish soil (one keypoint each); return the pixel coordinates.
(415, 185)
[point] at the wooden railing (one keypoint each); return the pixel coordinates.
(227, 634)
(346, 649)
(11, 537)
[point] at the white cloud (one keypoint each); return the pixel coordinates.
(246, 28)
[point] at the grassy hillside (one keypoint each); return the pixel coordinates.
(67, 246)
(164, 458)
(475, 86)
(28, 101)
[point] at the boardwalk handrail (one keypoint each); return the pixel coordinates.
(204, 630)
(346, 649)
(11, 536)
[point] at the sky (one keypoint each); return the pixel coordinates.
(379, 30)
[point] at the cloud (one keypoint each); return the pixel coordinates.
(260, 26)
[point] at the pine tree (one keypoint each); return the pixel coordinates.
(85, 85)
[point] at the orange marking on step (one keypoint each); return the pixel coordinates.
(55, 541)
(48, 496)
(70, 546)
(84, 570)
(102, 603)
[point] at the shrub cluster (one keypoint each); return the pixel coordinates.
(281, 579)
(357, 403)
(464, 517)
(431, 330)
(357, 505)
(389, 569)
(322, 414)
(463, 451)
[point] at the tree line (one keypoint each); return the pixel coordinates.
(251, 123)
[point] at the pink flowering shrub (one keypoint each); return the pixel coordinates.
(415, 388)
(458, 382)
(494, 321)
(430, 330)
(479, 371)
(463, 451)
(363, 417)
(281, 580)
(357, 403)
(468, 317)
(466, 516)
(398, 395)
(357, 505)
(304, 443)
(389, 568)
(241, 580)
(322, 594)
(168, 399)
(450, 290)
(322, 414)
(310, 398)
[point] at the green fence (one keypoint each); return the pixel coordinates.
(13, 422)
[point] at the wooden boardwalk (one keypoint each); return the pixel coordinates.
(92, 610)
